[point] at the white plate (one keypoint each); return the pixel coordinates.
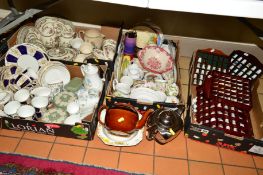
(54, 74)
(147, 95)
(113, 140)
(25, 55)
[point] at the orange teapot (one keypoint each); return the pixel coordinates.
(122, 119)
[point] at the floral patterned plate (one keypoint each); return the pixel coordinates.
(155, 59)
(61, 53)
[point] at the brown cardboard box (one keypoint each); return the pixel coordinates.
(213, 136)
(84, 130)
(111, 98)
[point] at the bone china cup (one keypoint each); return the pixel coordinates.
(22, 95)
(26, 112)
(11, 108)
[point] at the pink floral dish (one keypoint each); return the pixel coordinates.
(155, 59)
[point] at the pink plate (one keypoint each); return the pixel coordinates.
(155, 59)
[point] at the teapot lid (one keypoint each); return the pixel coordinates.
(92, 33)
(91, 69)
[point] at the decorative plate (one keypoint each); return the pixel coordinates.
(62, 99)
(53, 72)
(25, 55)
(61, 53)
(26, 33)
(114, 140)
(155, 59)
(38, 43)
(54, 115)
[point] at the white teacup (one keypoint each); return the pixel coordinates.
(26, 112)
(134, 72)
(127, 80)
(22, 95)
(40, 102)
(86, 48)
(73, 108)
(31, 73)
(121, 87)
(11, 108)
(72, 119)
(76, 43)
(41, 91)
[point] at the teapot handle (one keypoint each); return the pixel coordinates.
(143, 120)
(99, 113)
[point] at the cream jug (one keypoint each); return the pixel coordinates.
(92, 80)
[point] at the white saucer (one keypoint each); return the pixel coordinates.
(114, 140)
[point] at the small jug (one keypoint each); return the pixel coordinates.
(93, 36)
(92, 80)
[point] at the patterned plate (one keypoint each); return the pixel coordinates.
(66, 54)
(62, 99)
(155, 59)
(26, 33)
(25, 56)
(54, 115)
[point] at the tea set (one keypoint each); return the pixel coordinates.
(61, 41)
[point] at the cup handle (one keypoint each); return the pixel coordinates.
(82, 68)
(99, 113)
(81, 34)
(114, 84)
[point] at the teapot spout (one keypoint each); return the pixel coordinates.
(143, 120)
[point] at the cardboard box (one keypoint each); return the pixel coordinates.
(84, 130)
(109, 32)
(213, 136)
(111, 99)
